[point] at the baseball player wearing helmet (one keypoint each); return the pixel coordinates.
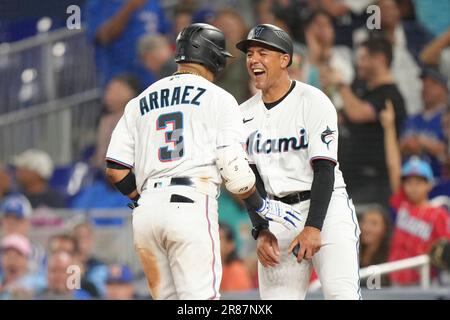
(168, 153)
(292, 145)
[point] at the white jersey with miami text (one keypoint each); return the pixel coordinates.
(284, 140)
(174, 127)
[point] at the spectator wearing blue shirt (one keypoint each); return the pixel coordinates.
(423, 133)
(114, 26)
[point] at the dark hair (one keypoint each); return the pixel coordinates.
(229, 235)
(381, 255)
(379, 44)
(313, 15)
(130, 80)
(65, 237)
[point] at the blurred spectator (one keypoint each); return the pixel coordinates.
(348, 15)
(407, 11)
(407, 38)
(434, 15)
(95, 271)
(66, 243)
(34, 168)
(16, 213)
(323, 54)
(156, 56)
(418, 224)
(119, 284)
(118, 92)
(375, 238)
(5, 182)
(437, 53)
(182, 18)
(99, 195)
(361, 146)
(234, 28)
(58, 285)
(296, 70)
(16, 282)
(16, 219)
(115, 27)
(62, 243)
(442, 186)
(235, 276)
(423, 134)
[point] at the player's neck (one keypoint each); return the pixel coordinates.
(191, 68)
(276, 91)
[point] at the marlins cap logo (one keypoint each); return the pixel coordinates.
(257, 32)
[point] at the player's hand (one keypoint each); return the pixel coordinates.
(309, 241)
(267, 249)
(280, 212)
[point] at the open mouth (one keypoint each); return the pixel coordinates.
(258, 72)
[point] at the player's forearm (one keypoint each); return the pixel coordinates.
(321, 191)
(432, 52)
(123, 181)
(114, 27)
(356, 110)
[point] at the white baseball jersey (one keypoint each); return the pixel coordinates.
(284, 140)
(174, 127)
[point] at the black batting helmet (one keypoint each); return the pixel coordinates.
(203, 44)
(268, 35)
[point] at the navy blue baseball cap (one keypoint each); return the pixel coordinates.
(16, 205)
(435, 75)
(119, 274)
(418, 168)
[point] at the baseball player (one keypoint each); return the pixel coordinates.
(168, 153)
(292, 145)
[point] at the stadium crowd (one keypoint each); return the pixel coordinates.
(390, 88)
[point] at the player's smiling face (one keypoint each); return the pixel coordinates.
(265, 66)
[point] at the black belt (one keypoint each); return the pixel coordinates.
(178, 181)
(295, 197)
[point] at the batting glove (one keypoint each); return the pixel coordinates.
(280, 212)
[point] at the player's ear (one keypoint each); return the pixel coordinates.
(284, 58)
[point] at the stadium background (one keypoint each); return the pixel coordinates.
(62, 90)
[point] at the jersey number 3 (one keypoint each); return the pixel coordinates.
(174, 137)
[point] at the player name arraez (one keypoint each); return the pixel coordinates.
(171, 97)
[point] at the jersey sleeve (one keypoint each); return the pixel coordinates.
(121, 146)
(230, 126)
(321, 129)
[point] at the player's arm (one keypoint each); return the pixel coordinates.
(240, 180)
(123, 179)
(114, 27)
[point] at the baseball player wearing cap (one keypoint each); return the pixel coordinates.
(292, 142)
(180, 136)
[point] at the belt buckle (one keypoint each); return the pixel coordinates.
(157, 184)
